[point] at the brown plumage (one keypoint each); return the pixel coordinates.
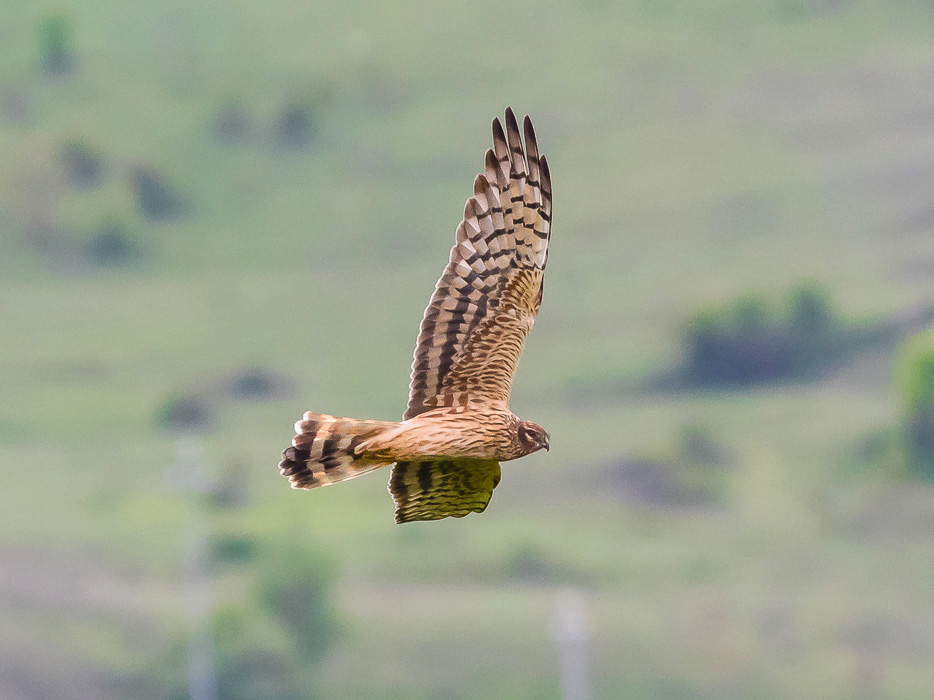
(458, 426)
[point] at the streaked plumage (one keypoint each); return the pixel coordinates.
(457, 427)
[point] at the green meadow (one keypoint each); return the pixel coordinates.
(215, 216)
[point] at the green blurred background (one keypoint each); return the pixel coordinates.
(217, 215)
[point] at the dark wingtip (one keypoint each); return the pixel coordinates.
(531, 143)
(498, 133)
(511, 122)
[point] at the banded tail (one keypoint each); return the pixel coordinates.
(323, 450)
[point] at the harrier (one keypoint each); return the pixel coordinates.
(445, 453)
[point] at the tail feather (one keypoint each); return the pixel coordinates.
(323, 450)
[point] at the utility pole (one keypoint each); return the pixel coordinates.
(189, 474)
(571, 632)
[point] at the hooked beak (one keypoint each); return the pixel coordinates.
(546, 445)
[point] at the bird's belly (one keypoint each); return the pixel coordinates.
(460, 447)
(467, 438)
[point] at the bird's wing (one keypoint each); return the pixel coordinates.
(444, 488)
(487, 298)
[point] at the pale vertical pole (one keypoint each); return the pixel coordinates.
(571, 631)
(191, 475)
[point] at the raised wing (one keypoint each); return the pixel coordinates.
(487, 298)
(442, 488)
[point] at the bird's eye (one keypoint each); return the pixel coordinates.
(528, 434)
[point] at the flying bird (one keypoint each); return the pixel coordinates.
(446, 451)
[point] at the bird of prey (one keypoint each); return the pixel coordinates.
(446, 451)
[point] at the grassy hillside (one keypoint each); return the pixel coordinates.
(314, 158)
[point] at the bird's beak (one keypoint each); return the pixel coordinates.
(547, 445)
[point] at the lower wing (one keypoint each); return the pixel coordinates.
(438, 489)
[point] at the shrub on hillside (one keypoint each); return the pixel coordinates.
(527, 563)
(295, 587)
(296, 125)
(232, 122)
(267, 639)
(228, 548)
(111, 245)
(84, 165)
(181, 413)
(297, 121)
(253, 383)
(750, 341)
(156, 199)
(254, 660)
(233, 489)
(916, 392)
(56, 46)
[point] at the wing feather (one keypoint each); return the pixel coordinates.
(485, 302)
(432, 490)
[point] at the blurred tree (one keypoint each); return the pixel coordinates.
(232, 122)
(84, 166)
(230, 548)
(528, 563)
(706, 362)
(296, 127)
(56, 47)
(269, 637)
(916, 391)
(749, 342)
(810, 309)
(111, 245)
(812, 327)
(255, 383)
(156, 199)
(295, 587)
(738, 344)
(255, 661)
(759, 347)
(233, 488)
(698, 446)
(185, 413)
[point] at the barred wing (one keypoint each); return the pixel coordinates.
(442, 489)
(487, 298)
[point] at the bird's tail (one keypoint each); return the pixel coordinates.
(323, 451)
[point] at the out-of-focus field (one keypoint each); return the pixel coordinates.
(698, 150)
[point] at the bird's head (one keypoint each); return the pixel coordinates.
(532, 436)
